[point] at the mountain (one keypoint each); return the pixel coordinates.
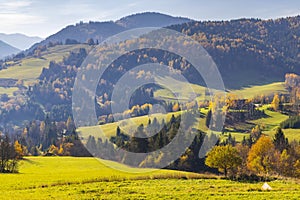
(81, 32)
(247, 52)
(150, 19)
(6, 49)
(19, 41)
(250, 51)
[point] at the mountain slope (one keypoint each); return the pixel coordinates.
(247, 52)
(19, 41)
(6, 49)
(81, 32)
(250, 51)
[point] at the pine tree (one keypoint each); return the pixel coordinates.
(280, 141)
(208, 119)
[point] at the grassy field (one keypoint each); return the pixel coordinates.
(239, 131)
(29, 69)
(253, 91)
(109, 130)
(8, 91)
(244, 93)
(87, 178)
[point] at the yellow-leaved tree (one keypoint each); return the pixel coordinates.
(261, 158)
(224, 158)
(276, 102)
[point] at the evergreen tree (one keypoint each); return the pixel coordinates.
(280, 141)
(208, 118)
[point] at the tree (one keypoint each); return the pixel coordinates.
(175, 107)
(208, 118)
(53, 150)
(70, 124)
(256, 133)
(243, 151)
(225, 158)
(90, 42)
(8, 156)
(280, 141)
(285, 164)
(18, 149)
(261, 156)
(276, 102)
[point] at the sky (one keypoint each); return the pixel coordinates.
(46, 17)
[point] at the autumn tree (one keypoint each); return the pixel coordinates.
(225, 158)
(256, 133)
(261, 156)
(19, 149)
(243, 151)
(285, 164)
(276, 102)
(70, 124)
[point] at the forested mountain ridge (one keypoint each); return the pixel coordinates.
(241, 48)
(246, 51)
(99, 31)
(150, 19)
(266, 49)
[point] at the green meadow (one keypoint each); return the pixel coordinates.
(90, 178)
(30, 68)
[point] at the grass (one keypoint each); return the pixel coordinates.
(291, 134)
(30, 68)
(272, 120)
(108, 130)
(9, 91)
(253, 91)
(239, 130)
(244, 93)
(87, 178)
(268, 125)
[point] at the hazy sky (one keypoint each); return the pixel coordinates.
(45, 17)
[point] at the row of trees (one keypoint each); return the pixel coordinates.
(264, 157)
(48, 137)
(10, 153)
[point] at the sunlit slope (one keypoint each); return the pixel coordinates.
(30, 68)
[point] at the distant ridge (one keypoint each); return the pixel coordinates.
(6, 50)
(19, 41)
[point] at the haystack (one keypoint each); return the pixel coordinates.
(266, 186)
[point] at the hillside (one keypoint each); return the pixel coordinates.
(263, 51)
(7, 50)
(99, 31)
(244, 50)
(250, 51)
